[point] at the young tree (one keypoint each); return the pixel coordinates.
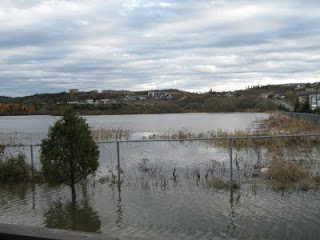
(69, 154)
(297, 106)
(306, 107)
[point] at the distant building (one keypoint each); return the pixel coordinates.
(151, 94)
(135, 98)
(229, 94)
(141, 98)
(310, 90)
(73, 102)
(300, 86)
(160, 95)
(94, 92)
(277, 95)
(105, 101)
(129, 98)
(107, 91)
(314, 100)
(89, 101)
(73, 91)
(264, 95)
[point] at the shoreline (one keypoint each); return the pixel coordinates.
(135, 113)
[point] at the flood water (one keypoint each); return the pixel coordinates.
(152, 204)
(166, 214)
(26, 129)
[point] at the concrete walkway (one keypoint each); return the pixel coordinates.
(18, 232)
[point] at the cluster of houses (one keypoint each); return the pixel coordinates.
(152, 95)
(303, 92)
(274, 96)
(160, 95)
(312, 96)
(91, 101)
(95, 92)
(156, 95)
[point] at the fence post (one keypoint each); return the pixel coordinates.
(32, 165)
(231, 168)
(118, 158)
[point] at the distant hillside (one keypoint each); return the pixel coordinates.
(254, 99)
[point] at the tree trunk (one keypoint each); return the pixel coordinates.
(72, 180)
(73, 213)
(73, 192)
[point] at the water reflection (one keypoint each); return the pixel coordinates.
(14, 190)
(72, 215)
(119, 208)
(171, 213)
(234, 200)
(33, 189)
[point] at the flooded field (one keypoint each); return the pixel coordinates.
(171, 213)
(31, 129)
(176, 190)
(182, 190)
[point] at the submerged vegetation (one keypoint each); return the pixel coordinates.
(287, 162)
(281, 162)
(110, 134)
(276, 124)
(15, 169)
(284, 174)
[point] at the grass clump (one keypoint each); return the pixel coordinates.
(110, 134)
(285, 174)
(317, 179)
(279, 123)
(15, 169)
(218, 183)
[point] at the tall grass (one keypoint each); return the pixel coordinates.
(285, 174)
(15, 169)
(279, 123)
(276, 124)
(110, 134)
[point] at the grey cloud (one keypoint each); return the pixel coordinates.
(42, 37)
(182, 44)
(46, 55)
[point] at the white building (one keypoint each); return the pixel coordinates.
(73, 102)
(160, 95)
(105, 101)
(314, 100)
(89, 101)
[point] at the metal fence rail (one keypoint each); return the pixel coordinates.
(231, 160)
(307, 116)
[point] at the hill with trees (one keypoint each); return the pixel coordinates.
(252, 99)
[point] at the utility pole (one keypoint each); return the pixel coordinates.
(316, 98)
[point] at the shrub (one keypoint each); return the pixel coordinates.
(15, 169)
(286, 173)
(317, 179)
(2, 148)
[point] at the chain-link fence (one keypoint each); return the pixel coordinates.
(186, 163)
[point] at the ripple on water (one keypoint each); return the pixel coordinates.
(172, 213)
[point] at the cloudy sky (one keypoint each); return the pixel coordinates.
(194, 45)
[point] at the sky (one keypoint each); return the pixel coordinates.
(49, 46)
